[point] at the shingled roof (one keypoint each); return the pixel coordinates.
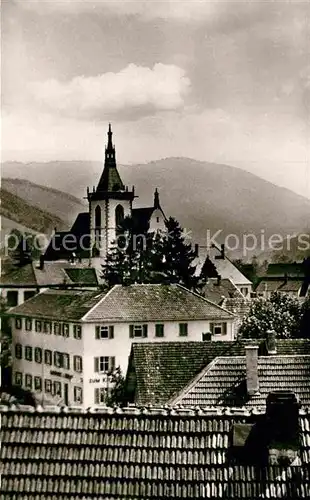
(159, 371)
(54, 304)
(223, 382)
(131, 454)
(147, 302)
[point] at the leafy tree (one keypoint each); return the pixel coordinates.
(162, 257)
(117, 395)
(305, 320)
(280, 313)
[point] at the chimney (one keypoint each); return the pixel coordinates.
(271, 342)
(41, 265)
(251, 355)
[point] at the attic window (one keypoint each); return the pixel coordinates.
(218, 328)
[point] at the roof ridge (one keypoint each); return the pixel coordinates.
(206, 300)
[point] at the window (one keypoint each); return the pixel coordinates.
(244, 291)
(159, 330)
(28, 324)
(47, 357)
(28, 353)
(47, 327)
(97, 217)
(48, 385)
(77, 364)
(18, 323)
(57, 329)
(78, 394)
(28, 295)
(157, 219)
(38, 325)
(56, 388)
(101, 395)
(18, 378)
(18, 351)
(206, 336)
(38, 384)
(38, 355)
(66, 361)
(105, 332)
(77, 331)
(28, 381)
(218, 328)
(183, 329)
(12, 298)
(65, 329)
(104, 364)
(137, 331)
(58, 359)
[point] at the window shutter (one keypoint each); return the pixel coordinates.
(111, 332)
(97, 396)
(144, 331)
(224, 328)
(97, 332)
(131, 335)
(96, 368)
(212, 328)
(112, 363)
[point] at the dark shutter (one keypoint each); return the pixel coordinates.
(212, 328)
(97, 332)
(111, 332)
(96, 368)
(97, 396)
(112, 363)
(131, 335)
(144, 334)
(224, 328)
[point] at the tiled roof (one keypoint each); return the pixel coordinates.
(225, 268)
(15, 276)
(154, 303)
(266, 285)
(55, 304)
(293, 270)
(215, 290)
(159, 371)
(137, 455)
(291, 286)
(110, 179)
(86, 275)
(223, 382)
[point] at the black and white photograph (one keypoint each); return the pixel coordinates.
(155, 250)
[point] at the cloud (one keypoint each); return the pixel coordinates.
(165, 9)
(134, 91)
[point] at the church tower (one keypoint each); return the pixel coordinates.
(109, 203)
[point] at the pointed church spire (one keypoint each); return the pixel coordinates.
(156, 199)
(110, 145)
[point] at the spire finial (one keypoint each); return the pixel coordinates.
(109, 137)
(156, 198)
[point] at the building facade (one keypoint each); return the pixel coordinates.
(67, 344)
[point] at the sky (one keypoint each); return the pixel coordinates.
(225, 82)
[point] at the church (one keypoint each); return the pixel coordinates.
(94, 232)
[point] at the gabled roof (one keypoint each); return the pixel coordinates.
(217, 290)
(223, 381)
(64, 305)
(224, 266)
(141, 218)
(291, 270)
(158, 371)
(15, 276)
(148, 302)
(131, 454)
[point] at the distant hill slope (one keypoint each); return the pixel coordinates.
(19, 214)
(200, 195)
(53, 201)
